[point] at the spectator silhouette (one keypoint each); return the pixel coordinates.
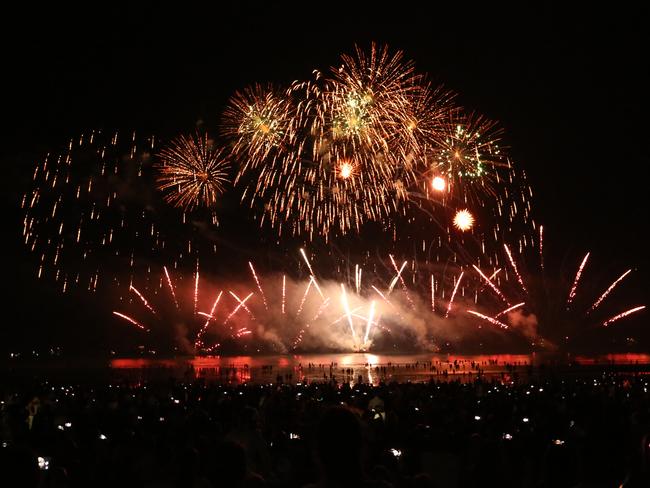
(339, 447)
(229, 467)
(19, 468)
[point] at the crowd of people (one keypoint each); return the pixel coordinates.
(549, 431)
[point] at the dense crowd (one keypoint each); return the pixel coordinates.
(541, 432)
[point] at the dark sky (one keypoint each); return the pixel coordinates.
(569, 86)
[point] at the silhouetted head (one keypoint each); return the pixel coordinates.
(339, 445)
(20, 466)
(229, 467)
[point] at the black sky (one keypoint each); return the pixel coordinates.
(569, 86)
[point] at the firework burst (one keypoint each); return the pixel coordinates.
(555, 312)
(181, 315)
(257, 121)
(90, 210)
(192, 172)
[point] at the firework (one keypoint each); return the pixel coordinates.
(492, 320)
(469, 152)
(439, 183)
(192, 172)
(257, 121)
(339, 155)
(463, 220)
(574, 287)
(177, 310)
(453, 295)
(93, 218)
(560, 310)
(622, 315)
(87, 214)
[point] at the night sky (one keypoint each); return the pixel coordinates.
(568, 86)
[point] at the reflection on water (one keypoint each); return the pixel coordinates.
(352, 367)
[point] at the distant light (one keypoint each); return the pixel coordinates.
(477, 417)
(507, 437)
(438, 183)
(102, 437)
(68, 424)
(43, 463)
(525, 419)
(396, 452)
(463, 220)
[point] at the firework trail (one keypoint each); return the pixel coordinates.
(209, 317)
(509, 309)
(131, 320)
(242, 304)
(259, 286)
(622, 314)
(433, 304)
(574, 287)
(492, 285)
(311, 272)
(514, 267)
(399, 275)
(453, 294)
(608, 291)
(196, 288)
(489, 319)
(142, 298)
(171, 286)
(304, 296)
(369, 323)
(348, 313)
(324, 304)
(546, 307)
(541, 247)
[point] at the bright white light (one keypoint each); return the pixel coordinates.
(439, 183)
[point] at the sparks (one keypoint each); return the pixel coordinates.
(514, 267)
(608, 291)
(489, 319)
(304, 296)
(346, 307)
(492, 285)
(132, 321)
(144, 300)
(622, 315)
(239, 305)
(453, 294)
(259, 286)
(509, 309)
(196, 289)
(439, 184)
(541, 247)
(574, 288)
(369, 323)
(284, 291)
(463, 220)
(171, 286)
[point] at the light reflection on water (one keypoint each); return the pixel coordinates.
(349, 367)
